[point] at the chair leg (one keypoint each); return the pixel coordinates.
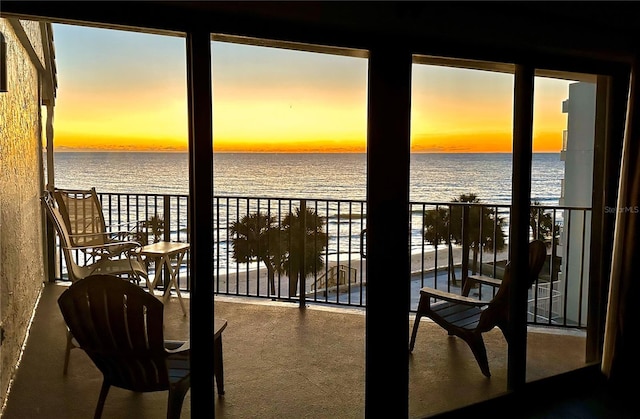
(218, 367)
(103, 396)
(67, 352)
(176, 398)
(414, 332)
(476, 343)
(423, 305)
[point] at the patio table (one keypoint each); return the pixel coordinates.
(163, 253)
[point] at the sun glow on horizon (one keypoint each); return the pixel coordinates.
(127, 91)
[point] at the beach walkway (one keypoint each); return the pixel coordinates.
(254, 281)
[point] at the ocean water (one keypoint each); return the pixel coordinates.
(434, 177)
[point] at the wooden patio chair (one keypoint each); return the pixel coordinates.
(128, 265)
(111, 257)
(83, 216)
(120, 327)
(467, 317)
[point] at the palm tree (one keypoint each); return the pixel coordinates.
(435, 230)
(543, 228)
(257, 237)
(155, 227)
(435, 226)
(484, 226)
(542, 225)
(305, 250)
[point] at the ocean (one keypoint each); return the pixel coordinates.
(434, 177)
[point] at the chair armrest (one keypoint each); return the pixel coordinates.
(124, 235)
(128, 230)
(480, 279)
(107, 237)
(485, 280)
(126, 223)
(108, 248)
(454, 298)
(177, 346)
(125, 227)
(89, 235)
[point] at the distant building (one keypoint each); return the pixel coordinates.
(577, 190)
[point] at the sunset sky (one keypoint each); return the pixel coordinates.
(127, 91)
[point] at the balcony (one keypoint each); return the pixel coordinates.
(281, 361)
(291, 353)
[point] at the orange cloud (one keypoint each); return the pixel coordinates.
(482, 142)
(80, 141)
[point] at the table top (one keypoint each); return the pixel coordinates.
(163, 248)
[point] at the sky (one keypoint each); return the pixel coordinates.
(120, 90)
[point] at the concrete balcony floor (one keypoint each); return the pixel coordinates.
(280, 362)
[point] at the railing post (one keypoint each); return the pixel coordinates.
(465, 244)
(166, 215)
(302, 244)
(554, 250)
(166, 203)
(50, 253)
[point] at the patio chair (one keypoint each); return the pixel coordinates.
(110, 257)
(82, 214)
(467, 317)
(120, 327)
(128, 266)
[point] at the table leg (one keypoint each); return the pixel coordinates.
(173, 273)
(157, 275)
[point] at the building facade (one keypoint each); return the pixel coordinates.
(29, 76)
(577, 191)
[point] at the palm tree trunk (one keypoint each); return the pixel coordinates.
(293, 284)
(271, 275)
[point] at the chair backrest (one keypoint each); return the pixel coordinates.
(537, 256)
(82, 213)
(57, 219)
(497, 312)
(120, 327)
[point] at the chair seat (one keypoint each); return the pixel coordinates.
(178, 368)
(457, 315)
(112, 267)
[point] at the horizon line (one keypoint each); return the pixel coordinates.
(280, 152)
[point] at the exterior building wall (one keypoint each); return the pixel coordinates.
(21, 239)
(578, 191)
(33, 32)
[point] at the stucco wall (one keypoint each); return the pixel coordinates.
(32, 30)
(21, 247)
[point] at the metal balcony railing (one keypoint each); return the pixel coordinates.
(260, 253)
